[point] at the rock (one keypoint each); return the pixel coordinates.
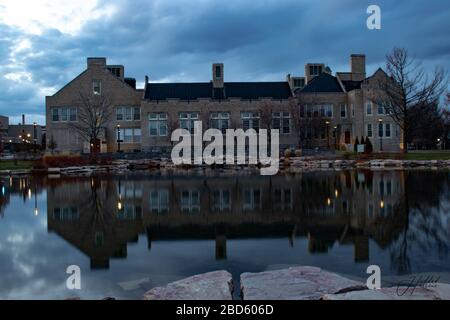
(216, 285)
(296, 283)
(438, 291)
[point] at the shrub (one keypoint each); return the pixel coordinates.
(369, 146)
(64, 161)
(287, 153)
(298, 153)
(362, 141)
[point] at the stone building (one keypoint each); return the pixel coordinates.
(317, 110)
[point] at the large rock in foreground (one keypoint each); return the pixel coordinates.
(296, 283)
(439, 291)
(216, 285)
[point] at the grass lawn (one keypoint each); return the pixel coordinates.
(428, 155)
(9, 165)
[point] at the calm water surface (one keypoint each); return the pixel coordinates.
(131, 233)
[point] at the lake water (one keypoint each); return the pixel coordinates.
(130, 233)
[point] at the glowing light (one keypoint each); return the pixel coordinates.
(381, 204)
(36, 211)
(336, 193)
(29, 193)
(119, 205)
(329, 201)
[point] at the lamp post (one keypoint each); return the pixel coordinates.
(34, 135)
(328, 133)
(380, 132)
(335, 137)
(118, 138)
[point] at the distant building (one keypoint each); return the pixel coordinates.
(333, 110)
(21, 133)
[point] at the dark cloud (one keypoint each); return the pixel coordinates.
(178, 40)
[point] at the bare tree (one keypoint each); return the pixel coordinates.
(295, 107)
(172, 125)
(266, 115)
(406, 87)
(93, 115)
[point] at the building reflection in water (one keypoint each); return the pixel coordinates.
(101, 215)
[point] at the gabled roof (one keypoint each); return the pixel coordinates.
(322, 83)
(196, 90)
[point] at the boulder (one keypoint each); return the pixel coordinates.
(216, 285)
(295, 283)
(438, 291)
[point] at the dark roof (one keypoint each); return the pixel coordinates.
(351, 85)
(242, 90)
(322, 83)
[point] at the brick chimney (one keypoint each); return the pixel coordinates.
(23, 119)
(358, 67)
(96, 62)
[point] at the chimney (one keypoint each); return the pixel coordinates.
(217, 73)
(23, 119)
(358, 67)
(96, 62)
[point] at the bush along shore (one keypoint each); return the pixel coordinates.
(77, 165)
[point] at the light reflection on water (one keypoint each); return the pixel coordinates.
(131, 233)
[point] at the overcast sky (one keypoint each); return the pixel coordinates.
(44, 43)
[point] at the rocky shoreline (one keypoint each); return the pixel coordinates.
(295, 283)
(295, 164)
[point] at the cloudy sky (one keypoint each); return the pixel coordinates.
(44, 43)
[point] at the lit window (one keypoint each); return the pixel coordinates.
(96, 87)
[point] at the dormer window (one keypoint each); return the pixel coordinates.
(97, 87)
(315, 70)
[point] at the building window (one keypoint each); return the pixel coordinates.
(369, 108)
(220, 120)
(96, 87)
(352, 106)
(129, 135)
(282, 122)
(159, 201)
(299, 82)
(250, 120)
(343, 111)
(221, 200)
(252, 199)
(187, 120)
(325, 110)
(315, 70)
(128, 113)
(384, 130)
(190, 201)
(369, 130)
(64, 114)
(218, 72)
(157, 124)
(380, 109)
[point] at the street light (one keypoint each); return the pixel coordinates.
(35, 135)
(328, 133)
(118, 138)
(380, 132)
(335, 137)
